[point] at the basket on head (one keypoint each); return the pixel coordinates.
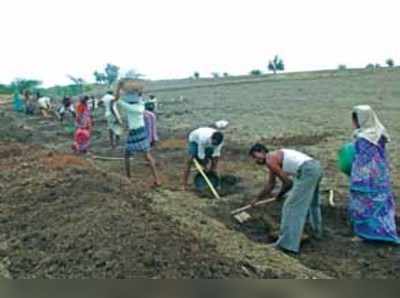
(131, 85)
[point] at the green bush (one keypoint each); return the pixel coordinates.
(342, 67)
(370, 66)
(390, 62)
(25, 84)
(100, 77)
(5, 89)
(256, 72)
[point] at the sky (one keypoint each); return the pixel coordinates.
(47, 40)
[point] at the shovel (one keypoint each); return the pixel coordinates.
(241, 216)
(200, 169)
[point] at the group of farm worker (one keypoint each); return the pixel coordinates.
(371, 201)
(30, 102)
(140, 120)
(371, 207)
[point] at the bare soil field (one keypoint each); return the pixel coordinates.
(72, 217)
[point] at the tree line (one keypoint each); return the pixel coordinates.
(111, 73)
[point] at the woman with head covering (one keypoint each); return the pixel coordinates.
(83, 122)
(129, 98)
(371, 207)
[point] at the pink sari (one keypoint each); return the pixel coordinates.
(83, 123)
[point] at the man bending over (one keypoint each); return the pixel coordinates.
(301, 174)
(204, 144)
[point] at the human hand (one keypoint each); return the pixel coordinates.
(253, 203)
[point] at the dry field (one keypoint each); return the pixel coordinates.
(64, 216)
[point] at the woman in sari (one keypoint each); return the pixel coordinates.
(83, 122)
(372, 206)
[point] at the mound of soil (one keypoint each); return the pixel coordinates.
(61, 217)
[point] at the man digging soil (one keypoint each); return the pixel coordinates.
(303, 201)
(204, 143)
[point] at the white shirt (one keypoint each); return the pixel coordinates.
(293, 160)
(134, 113)
(107, 100)
(202, 137)
(44, 102)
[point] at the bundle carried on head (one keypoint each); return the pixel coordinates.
(132, 85)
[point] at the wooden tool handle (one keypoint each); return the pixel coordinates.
(249, 206)
(199, 168)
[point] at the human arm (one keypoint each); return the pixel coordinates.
(268, 186)
(214, 163)
(118, 91)
(155, 132)
(287, 183)
(201, 153)
(114, 112)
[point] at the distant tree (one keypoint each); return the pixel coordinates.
(133, 74)
(370, 66)
(196, 75)
(226, 74)
(377, 65)
(256, 72)
(100, 77)
(276, 65)
(342, 67)
(390, 62)
(5, 89)
(112, 73)
(215, 75)
(25, 84)
(78, 82)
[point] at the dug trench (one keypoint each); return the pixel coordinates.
(120, 228)
(338, 254)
